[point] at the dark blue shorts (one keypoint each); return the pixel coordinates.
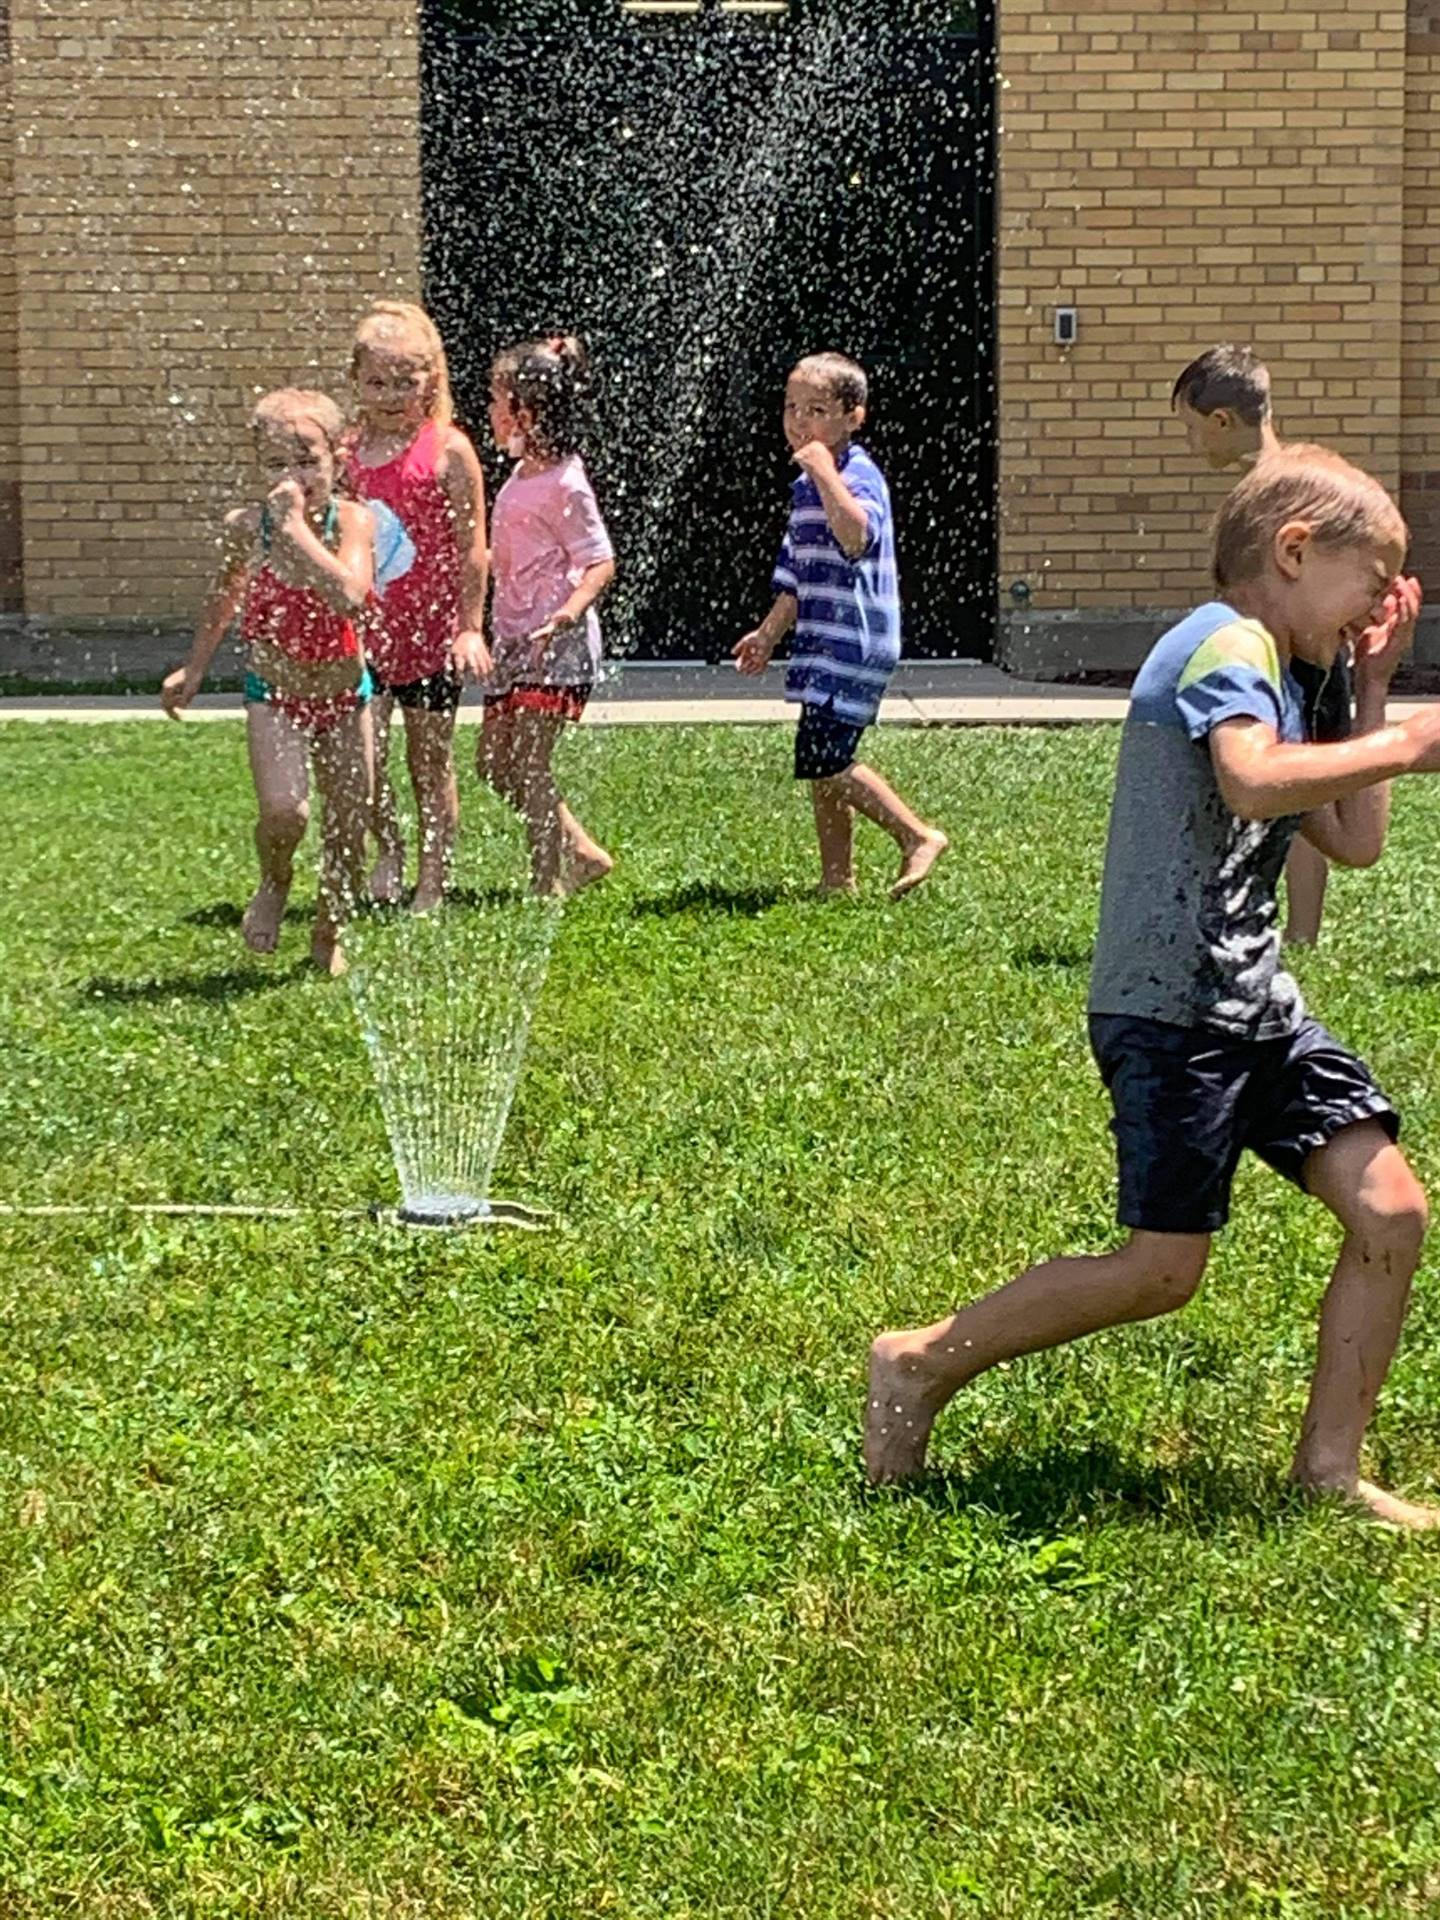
(825, 745)
(1189, 1100)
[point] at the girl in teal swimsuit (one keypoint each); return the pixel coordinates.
(298, 571)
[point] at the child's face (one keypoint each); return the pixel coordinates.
(503, 421)
(1333, 592)
(1220, 439)
(394, 390)
(296, 450)
(813, 414)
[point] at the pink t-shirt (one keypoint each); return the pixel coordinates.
(545, 530)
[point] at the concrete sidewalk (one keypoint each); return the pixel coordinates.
(923, 693)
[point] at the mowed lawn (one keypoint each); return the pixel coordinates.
(354, 1571)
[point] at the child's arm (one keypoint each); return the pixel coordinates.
(344, 579)
(1341, 786)
(849, 522)
(582, 596)
(222, 603)
(464, 484)
(752, 654)
(1353, 831)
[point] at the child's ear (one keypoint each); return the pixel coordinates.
(1292, 542)
(857, 419)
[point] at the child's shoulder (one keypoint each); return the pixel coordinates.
(455, 448)
(356, 516)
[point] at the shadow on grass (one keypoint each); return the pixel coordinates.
(1036, 1493)
(225, 913)
(230, 984)
(1417, 977)
(1039, 956)
(704, 896)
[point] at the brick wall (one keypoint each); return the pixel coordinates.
(1420, 360)
(205, 194)
(1185, 174)
(10, 583)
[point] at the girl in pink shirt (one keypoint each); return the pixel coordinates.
(551, 559)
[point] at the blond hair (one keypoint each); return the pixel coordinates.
(287, 404)
(1341, 505)
(399, 326)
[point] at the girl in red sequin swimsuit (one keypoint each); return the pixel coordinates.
(407, 452)
(298, 572)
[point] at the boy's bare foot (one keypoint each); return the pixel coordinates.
(901, 1402)
(582, 870)
(844, 889)
(387, 881)
(325, 950)
(427, 897)
(915, 868)
(1387, 1508)
(260, 927)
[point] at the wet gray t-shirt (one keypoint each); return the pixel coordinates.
(1189, 929)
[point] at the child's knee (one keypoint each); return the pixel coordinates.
(284, 824)
(1391, 1220)
(1165, 1269)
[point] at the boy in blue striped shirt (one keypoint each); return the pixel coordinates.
(837, 587)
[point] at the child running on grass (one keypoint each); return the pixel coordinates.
(298, 569)
(553, 560)
(837, 586)
(1223, 402)
(1199, 1033)
(407, 453)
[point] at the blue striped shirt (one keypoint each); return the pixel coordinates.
(847, 631)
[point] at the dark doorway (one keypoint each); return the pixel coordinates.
(705, 190)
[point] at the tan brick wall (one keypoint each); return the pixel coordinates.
(1420, 363)
(205, 194)
(10, 586)
(1186, 174)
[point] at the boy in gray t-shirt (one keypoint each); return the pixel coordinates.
(1198, 1030)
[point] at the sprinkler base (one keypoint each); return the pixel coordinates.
(455, 1215)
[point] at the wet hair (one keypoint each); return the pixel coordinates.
(399, 326)
(842, 379)
(1342, 507)
(550, 379)
(1226, 376)
(288, 404)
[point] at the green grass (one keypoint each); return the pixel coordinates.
(348, 1573)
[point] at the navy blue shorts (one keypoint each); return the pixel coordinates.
(1189, 1100)
(825, 745)
(436, 693)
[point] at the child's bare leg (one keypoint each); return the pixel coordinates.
(429, 749)
(344, 772)
(533, 743)
(584, 859)
(914, 1374)
(920, 845)
(1367, 1184)
(279, 766)
(1307, 872)
(835, 830)
(495, 755)
(388, 876)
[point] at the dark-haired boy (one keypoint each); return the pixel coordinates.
(1223, 401)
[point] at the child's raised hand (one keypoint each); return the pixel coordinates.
(177, 690)
(285, 500)
(471, 655)
(752, 654)
(1380, 649)
(816, 459)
